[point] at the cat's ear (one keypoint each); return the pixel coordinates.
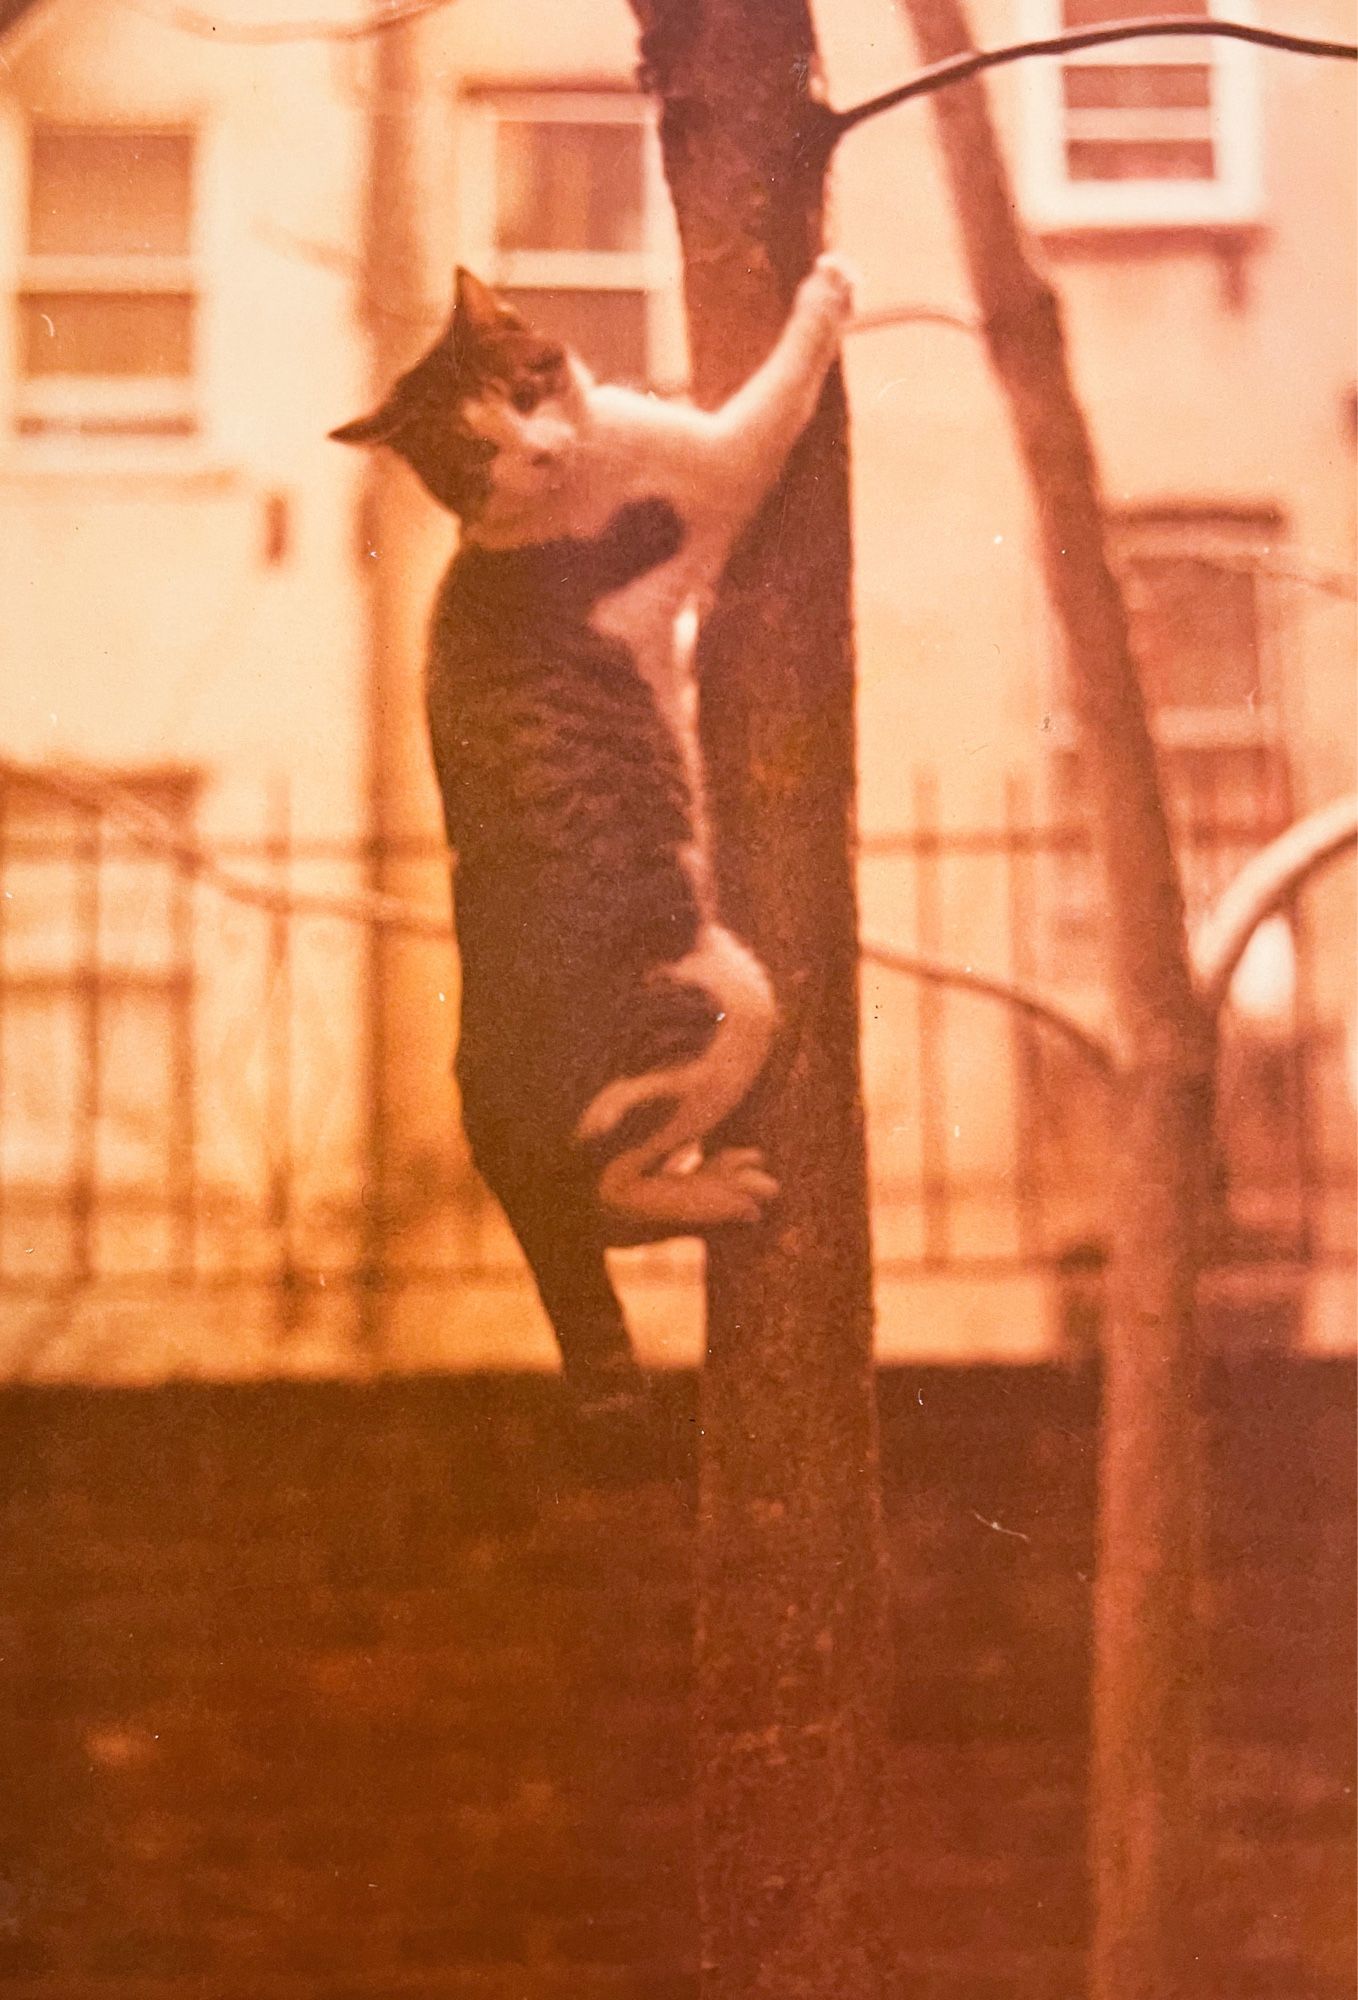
(476, 310)
(378, 427)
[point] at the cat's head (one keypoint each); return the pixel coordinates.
(488, 418)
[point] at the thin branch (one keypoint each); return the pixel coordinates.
(189, 21)
(151, 830)
(1267, 880)
(340, 263)
(883, 316)
(1030, 1000)
(1326, 578)
(957, 69)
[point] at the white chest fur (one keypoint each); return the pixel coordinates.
(652, 617)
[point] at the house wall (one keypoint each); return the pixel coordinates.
(146, 626)
(148, 623)
(1215, 368)
(144, 621)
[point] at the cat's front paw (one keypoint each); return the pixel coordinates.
(827, 290)
(741, 1172)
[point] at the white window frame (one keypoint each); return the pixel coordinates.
(654, 270)
(1233, 198)
(112, 409)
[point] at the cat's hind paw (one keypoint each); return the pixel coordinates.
(743, 1169)
(733, 1185)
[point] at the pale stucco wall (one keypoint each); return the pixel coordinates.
(142, 625)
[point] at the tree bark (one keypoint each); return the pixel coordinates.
(1146, 1669)
(792, 1669)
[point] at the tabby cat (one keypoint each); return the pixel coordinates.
(610, 1023)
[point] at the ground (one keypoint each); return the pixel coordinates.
(324, 1692)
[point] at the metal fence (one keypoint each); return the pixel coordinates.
(224, 1070)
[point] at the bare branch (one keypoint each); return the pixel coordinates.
(960, 317)
(1039, 1006)
(958, 68)
(1327, 578)
(150, 829)
(189, 21)
(1263, 884)
(340, 263)
(1266, 881)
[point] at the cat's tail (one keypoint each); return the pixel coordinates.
(699, 1093)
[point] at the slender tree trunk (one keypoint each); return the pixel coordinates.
(1146, 1642)
(792, 1669)
(391, 269)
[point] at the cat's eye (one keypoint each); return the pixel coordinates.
(525, 397)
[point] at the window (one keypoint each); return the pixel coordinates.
(566, 215)
(95, 1025)
(106, 304)
(1203, 627)
(1196, 595)
(1142, 134)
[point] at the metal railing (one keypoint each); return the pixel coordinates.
(187, 1051)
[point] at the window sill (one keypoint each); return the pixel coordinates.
(1230, 246)
(174, 464)
(1227, 240)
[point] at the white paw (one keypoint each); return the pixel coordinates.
(828, 288)
(743, 1167)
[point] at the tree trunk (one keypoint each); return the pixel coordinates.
(792, 1668)
(1146, 1641)
(391, 270)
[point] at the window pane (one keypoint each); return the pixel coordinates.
(109, 193)
(1224, 784)
(568, 186)
(1195, 632)
(606, 329)
(1224, 801)
(1137, 86)
(1140, 159)
(106, 333)
(1096, 13)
